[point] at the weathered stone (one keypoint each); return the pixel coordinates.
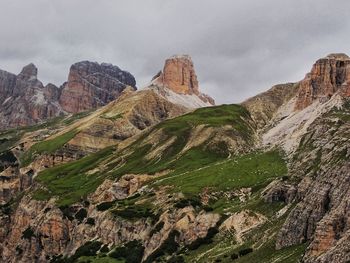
(91, 85)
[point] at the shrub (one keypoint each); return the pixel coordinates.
(5, 209)
(19, 250)
(104, 249)
(81, 214)
(234, 256)
(157, 228)
(207, 208)
(204, 240)
(245, 251)
(135, 212)
(169, 246)
(105, 206)
(67, 212)
(132, 252)
(90, 248)
(176, 259)
(188, 202)
(28, 233)
(90, 221)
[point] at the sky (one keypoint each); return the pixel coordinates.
(239, 47)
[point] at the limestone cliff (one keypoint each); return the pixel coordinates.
(178, 83)
(91, 85)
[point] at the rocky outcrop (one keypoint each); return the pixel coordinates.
(24, 100)
(321, 215)
(178, 83)
(264, 106)
(328, 75)
(179, 75)
(91, 85)
(123, 118)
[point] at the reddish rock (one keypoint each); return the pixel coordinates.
(91, 85)
(328, 75)
(179, 76)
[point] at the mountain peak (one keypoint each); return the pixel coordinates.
(328, 76)
(178, 81)
(29, 71)
(179, 75)
(338, 56)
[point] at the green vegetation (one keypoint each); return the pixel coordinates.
(28, 233)
(233, 114)
(168, 247)
(81, 214)
(180, 129)
(252, 170)
(76, 117)
(48, 146)
(131, 252)
(112, 118)
(70, 182)
(135, 212)
(98, 259)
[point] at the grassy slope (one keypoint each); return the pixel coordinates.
(70, 182)
(46, 147)
(198, 168)
(67, 176)
(252, 170)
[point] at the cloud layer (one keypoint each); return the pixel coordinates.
(239, 47)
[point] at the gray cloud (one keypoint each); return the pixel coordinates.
(239, 47)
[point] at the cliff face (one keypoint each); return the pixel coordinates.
(179, 75)
(24, 100)
(328, 75)
(141, 180)
(178, 83)
(91, 85)
(322, 212)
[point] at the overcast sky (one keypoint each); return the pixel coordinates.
(239, 48)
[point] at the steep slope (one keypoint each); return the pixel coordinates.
(321, 215)
(328, 76)
(24, 100)
(265, 181)
(119, 188)
(264, 106)
(178, 83)
(71, 138)
(313, 128)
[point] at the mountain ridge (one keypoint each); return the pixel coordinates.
(261, 181)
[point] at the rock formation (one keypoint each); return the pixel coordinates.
(24, 100)
(91, 85)
(178, 83)
(327, 76)
(264, 181)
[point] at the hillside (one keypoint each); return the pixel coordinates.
(146, 178)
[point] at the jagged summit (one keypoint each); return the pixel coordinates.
(328, 76)
(29, 71)
(340, 56)
(91, 85)
(178, 83)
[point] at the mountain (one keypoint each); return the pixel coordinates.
(91, 85)
(26, 101)
(147, 178)
(178, 83)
